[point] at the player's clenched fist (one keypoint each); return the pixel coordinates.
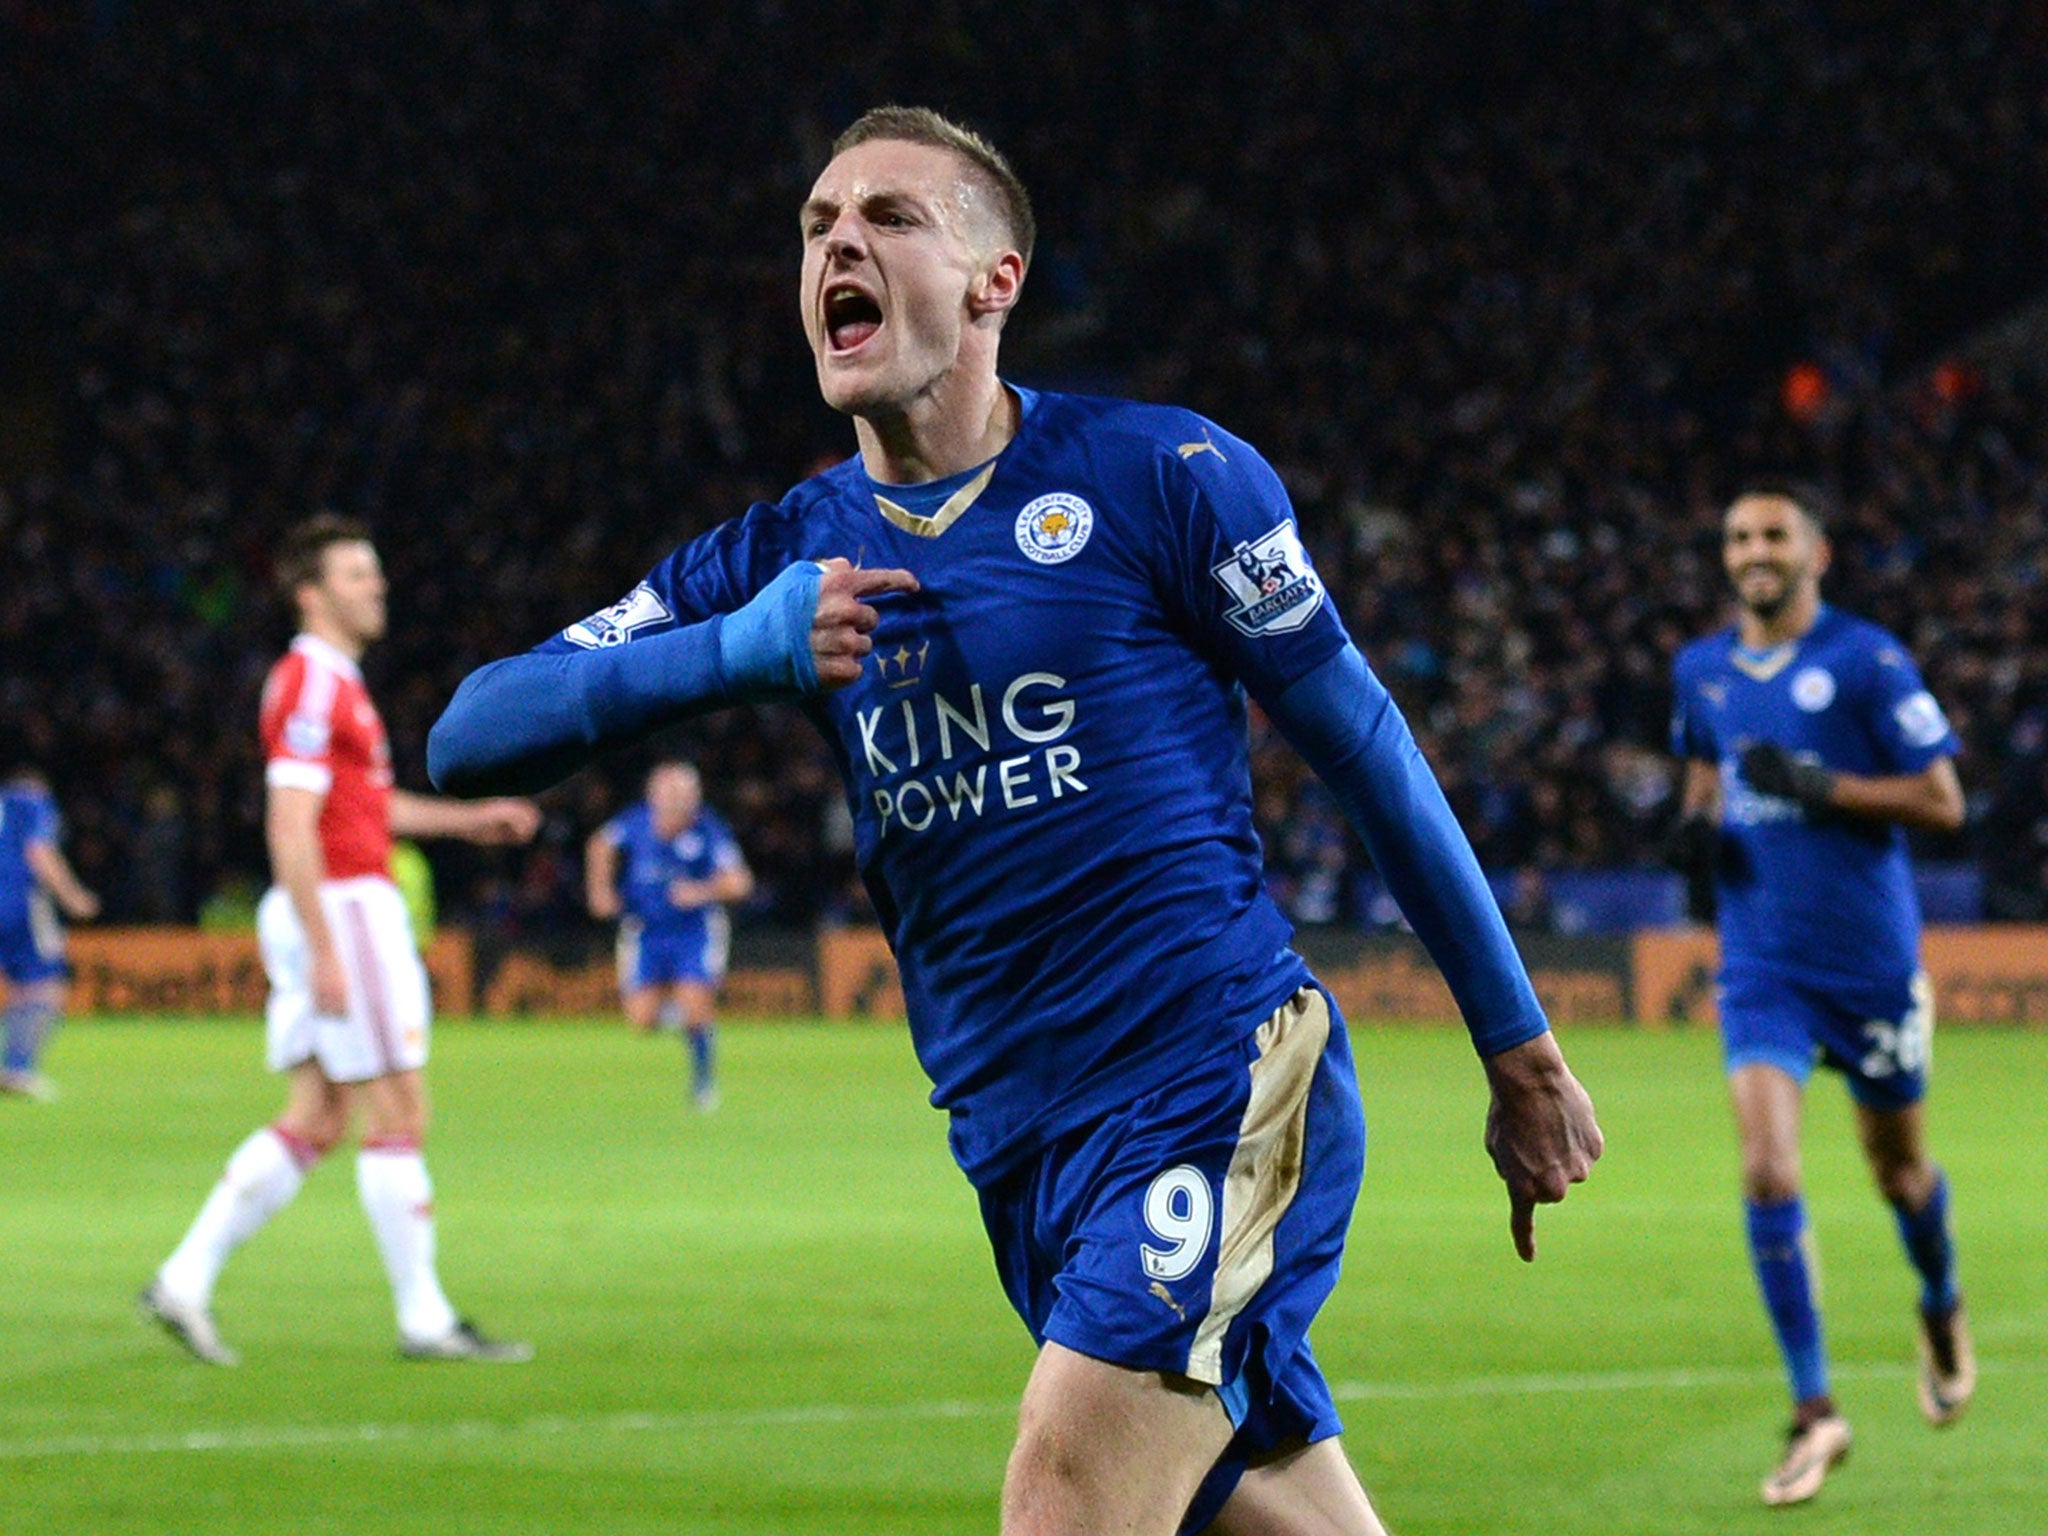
(842, 624)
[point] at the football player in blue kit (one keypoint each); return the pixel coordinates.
(681, 868)
(1027, 623)
(36, 881)
(1810, 745)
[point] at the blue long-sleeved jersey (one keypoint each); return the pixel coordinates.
(1046, 756)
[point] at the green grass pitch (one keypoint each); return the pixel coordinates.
(781, 1319)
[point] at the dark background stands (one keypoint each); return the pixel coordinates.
(1513, 295)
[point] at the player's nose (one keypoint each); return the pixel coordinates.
(846, 241)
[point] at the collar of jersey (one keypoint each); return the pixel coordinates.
(930, 507)
(1765, 665)
(329, 654)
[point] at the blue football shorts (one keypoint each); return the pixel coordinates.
(1881, 1037)
(32, 944)
(665, 954)
(1199, 1230)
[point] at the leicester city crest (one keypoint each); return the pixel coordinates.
(1813, 689)
(1052, 529)
(1275, 588)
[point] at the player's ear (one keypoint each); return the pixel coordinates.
(1823, 556)
(996, 284)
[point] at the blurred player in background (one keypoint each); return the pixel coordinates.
(1040, 718)
(682, 867)
(1810, 745)
(348, 1010)
(35, 880)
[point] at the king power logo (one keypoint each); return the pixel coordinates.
(931, 760)
(1275, 589)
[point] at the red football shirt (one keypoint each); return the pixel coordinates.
(321, 732)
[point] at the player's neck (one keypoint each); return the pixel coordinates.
(349, 644)
(965, 419)
(1789, 623)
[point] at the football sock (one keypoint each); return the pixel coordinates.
(1777, 1248)
(28, 1025)
(391, 1177)
(260, 1180)
(703, 1038)
(1925, 1234)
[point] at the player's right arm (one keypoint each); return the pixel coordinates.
(519, 725)
(601, 875)
(297, 726)
(1693, 846)
(291, 827)
(1700, 794)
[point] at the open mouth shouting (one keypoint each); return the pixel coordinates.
(852, 317)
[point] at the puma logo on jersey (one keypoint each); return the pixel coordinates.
(1189, 450)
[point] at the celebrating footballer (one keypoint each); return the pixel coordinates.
(1027, 624)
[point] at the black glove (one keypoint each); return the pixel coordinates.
(1693, 847)
(1771, 770)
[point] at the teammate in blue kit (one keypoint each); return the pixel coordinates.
(1810, 745)
(1026, 624)
(682, 867)
(35, 882)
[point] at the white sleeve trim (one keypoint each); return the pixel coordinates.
(285, 773)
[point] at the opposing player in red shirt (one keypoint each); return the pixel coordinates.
(348, 1010)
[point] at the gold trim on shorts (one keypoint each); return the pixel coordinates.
(1265, 1171)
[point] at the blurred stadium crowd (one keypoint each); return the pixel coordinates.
(1513, 294)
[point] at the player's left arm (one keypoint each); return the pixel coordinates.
(601, 874)
(1931, 799)
(1913, 741)
(1280, 635)
(729, 883)
(1541, 1130)
(53, 872)
(492, 822)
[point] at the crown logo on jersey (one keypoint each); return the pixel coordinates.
(904, 666)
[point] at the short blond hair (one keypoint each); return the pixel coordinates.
(921, 125)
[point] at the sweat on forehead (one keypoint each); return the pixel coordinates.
(952, 187)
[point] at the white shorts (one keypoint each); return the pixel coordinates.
(385, 1028)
